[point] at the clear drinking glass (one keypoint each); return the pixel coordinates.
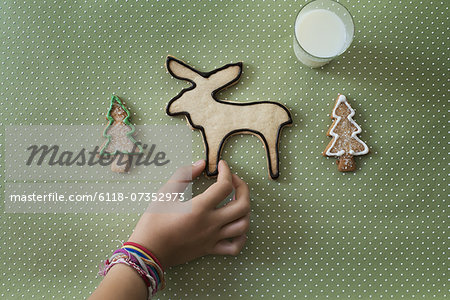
(323, 30)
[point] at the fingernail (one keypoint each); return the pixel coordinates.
(198, 162)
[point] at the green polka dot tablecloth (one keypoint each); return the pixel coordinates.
(379, 232)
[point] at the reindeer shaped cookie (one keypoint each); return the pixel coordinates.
(218, 119)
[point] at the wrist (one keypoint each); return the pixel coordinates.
(121, 282)
(142, 261)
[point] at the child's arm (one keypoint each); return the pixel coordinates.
(121, 282)
(176, 238)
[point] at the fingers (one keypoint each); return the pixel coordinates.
(197, 168)
(227, 247)
(182, 177)
(224, 172)
(240, 186)
(240, 206)
(235, 228)
(219, 190)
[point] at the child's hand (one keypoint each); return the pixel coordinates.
(177, 237)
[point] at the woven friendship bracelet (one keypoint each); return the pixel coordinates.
(137, 260)
(152, 261)
(147, 259)
(142, 261)
(121, 256)
(150, 274)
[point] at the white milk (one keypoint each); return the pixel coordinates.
(320, 33)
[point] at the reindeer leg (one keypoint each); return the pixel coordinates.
(271, 145)
(213, 149)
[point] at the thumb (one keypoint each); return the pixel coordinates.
(197, 168)
(178, 182)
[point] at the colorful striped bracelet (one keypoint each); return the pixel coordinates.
(146, 251)
(142, 261)
(151, 264)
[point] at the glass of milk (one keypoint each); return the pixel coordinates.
(323, 30)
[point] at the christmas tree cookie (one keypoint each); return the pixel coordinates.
(120, 142)
(344, 143)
